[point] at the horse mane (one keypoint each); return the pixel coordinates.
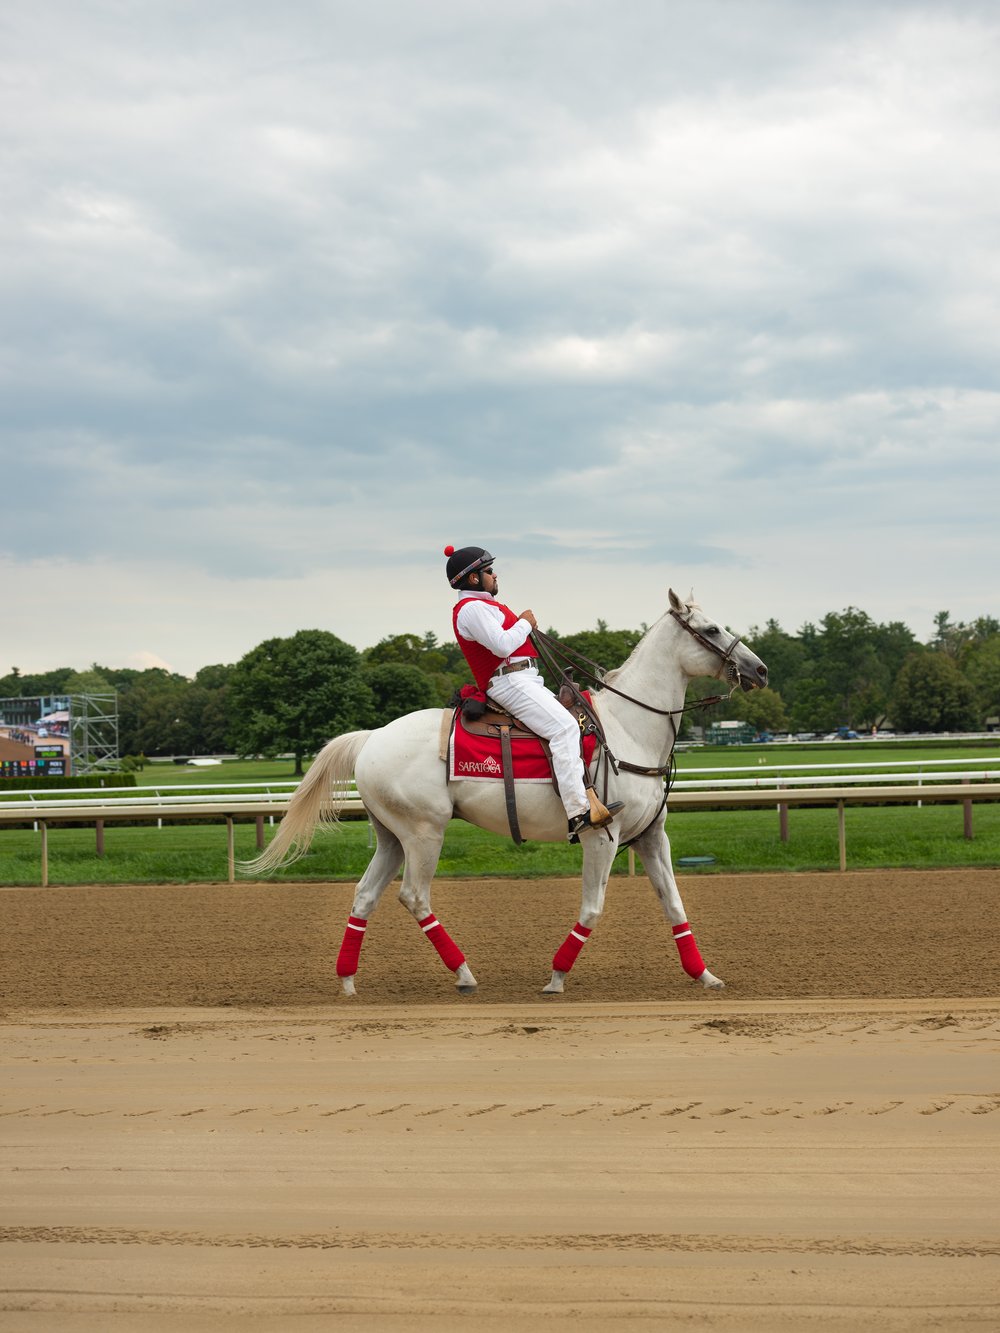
(690, 605)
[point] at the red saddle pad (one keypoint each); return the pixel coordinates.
(478, 757)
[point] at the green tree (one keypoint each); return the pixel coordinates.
(10, 685)
(213, 677)
(944, 632)
(852, 665)
(406, 650)
(981, 668)
(294, 694)
(205, 709)
(39, 683)
(955, 639)
(894, 642)
(442, 664)
(815, 708)
(151, 714)
(849, 664)
(763, 709)
(931, 694)
(93, 681)
(785, 657)
(398, 689)
(984, 627)
(608, 648)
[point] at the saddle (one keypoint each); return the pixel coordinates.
(483, 718)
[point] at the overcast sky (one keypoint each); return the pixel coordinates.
(636, 295)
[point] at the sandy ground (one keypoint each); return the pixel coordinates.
(196, 1132)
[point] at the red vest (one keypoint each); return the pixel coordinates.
(483, 663)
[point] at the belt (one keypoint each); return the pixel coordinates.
(515, 666)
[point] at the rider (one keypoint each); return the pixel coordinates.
(498, 648)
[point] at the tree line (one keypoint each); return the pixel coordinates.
(290, 695)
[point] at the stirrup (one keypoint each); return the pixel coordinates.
(601, 815)
(580, 822)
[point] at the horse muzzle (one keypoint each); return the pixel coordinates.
(748, 682)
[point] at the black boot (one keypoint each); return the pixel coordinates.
(580, 822)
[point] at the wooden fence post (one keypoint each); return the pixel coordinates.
(99, 833)
(967, 815)
(230, 849)
(45, 852)
(842, 835)
(783, 821)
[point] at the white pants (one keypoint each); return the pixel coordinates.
(526, 695)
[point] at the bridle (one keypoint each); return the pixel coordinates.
(553, 653)
(727, 657)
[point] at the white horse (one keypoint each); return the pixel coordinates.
(404, 785)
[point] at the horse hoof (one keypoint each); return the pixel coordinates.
(710, 982)
(555, 986)
(465, 982)
(348, 986)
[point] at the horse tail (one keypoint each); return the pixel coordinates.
(316, 800)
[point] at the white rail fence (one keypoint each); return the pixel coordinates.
(779, 789)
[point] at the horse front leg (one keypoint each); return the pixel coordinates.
(598, 856)
(654, 848)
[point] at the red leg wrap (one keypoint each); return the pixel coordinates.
(451, 955)
(691, 959)
(569, 951)
(350, 949)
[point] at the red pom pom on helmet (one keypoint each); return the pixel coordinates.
(449, 550)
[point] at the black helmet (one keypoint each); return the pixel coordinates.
(465, 562)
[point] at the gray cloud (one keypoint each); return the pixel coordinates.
(709, 288)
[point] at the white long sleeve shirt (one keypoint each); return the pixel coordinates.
(482, 621)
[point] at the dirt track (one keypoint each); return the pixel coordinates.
(197, 1132)
(852, 935)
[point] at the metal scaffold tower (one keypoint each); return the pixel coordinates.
(93, 732)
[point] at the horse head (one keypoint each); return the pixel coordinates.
(714, 651)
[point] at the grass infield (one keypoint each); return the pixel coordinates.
(904, 836)
(739, 840)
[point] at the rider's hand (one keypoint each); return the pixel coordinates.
(529, 616)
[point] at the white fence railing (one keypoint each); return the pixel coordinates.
(238, 794)
(40, 798)
(776, 781)
(230, 806)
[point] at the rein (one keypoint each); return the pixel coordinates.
(550, 650)
(553, 653)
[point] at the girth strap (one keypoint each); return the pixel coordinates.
(508, 784)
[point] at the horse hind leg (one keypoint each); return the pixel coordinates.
(381, 871)
(422, 852)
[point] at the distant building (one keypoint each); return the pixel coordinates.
(730, 733)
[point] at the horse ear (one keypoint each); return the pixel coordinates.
(675, 601)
